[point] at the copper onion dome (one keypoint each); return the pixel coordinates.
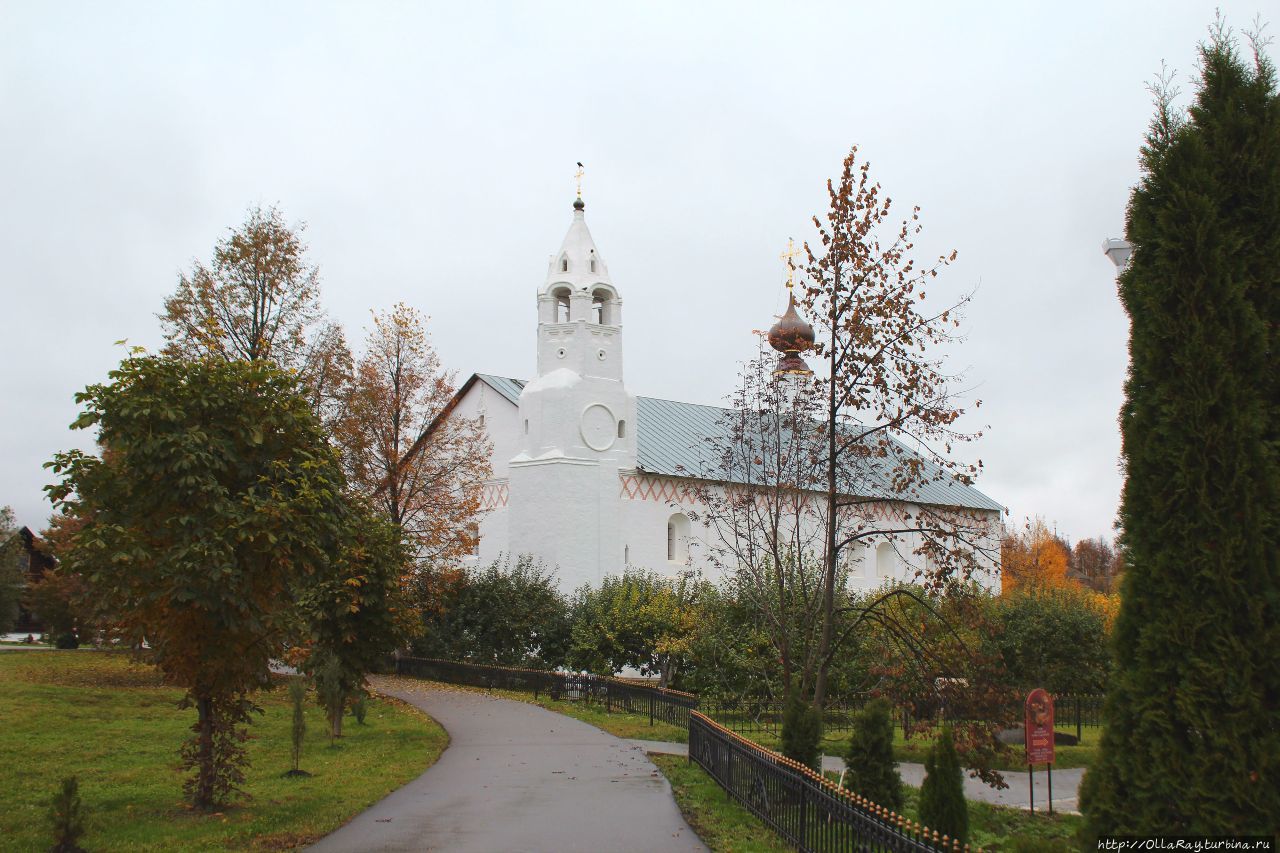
(791, 336)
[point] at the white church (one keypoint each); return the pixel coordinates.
(590, 478)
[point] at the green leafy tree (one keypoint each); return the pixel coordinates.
(869, 766)
(215, 498)
(802, 733)
(503, 614)
(1055, 638)
(639, 619)
(66, 817)
(358, 610)
(1191, 745)
(942, 804)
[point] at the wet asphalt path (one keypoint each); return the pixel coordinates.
(516, 777)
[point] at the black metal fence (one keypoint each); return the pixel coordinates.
(613, 694)
(764, 716)
(800, 805)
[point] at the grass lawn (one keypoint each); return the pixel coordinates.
(108, 721)
(1079, 755)
(720, 822)
(1002, 829)
(915, 749)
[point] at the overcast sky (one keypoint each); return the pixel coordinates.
(429, 148)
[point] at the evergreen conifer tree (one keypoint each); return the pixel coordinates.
(66, 816)
(1191, 744)
(942, 804)
(298, 729)
(869, 767)
(802, 733)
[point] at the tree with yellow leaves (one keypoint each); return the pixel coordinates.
(1034, 556)
(259, 299)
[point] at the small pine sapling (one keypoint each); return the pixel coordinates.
(870, 768)
(66, 814)
(298, 731)
(942, 804)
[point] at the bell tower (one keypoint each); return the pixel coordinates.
(577, 419)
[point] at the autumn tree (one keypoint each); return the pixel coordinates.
(822, 465)
(424, 471)
(1033, 556)
(888, 409)
(1191, 744)
(1095, 561)
(215, 497)
(259, 298)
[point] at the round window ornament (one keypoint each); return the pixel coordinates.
(562, 352)
(599, 427)
(601, 354)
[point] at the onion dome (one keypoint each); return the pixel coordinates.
(791, 336)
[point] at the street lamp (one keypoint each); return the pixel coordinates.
(1118, 251)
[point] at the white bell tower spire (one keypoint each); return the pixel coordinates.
(579, 309)
(576, 416)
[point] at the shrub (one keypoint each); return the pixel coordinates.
(66, 814)
(359, 709)
(802, 733)
(870, 769)
(942, 804)
(68, 640)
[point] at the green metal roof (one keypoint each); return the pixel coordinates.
(677, 440)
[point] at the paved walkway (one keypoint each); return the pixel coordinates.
(516, 777)
(1066, 783)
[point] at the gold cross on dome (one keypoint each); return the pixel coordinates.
(786, 258)
(578, 177)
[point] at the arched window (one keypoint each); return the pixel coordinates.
(561, 295)
(678, 538)
(626, 555)
(886, 561)
(622, 429)
(564, 265)
(602, 306)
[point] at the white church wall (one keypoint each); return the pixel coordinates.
(501, 425)
(647, 505)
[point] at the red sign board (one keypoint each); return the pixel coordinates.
(1039, 727)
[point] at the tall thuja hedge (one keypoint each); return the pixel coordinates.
(1192, 743)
